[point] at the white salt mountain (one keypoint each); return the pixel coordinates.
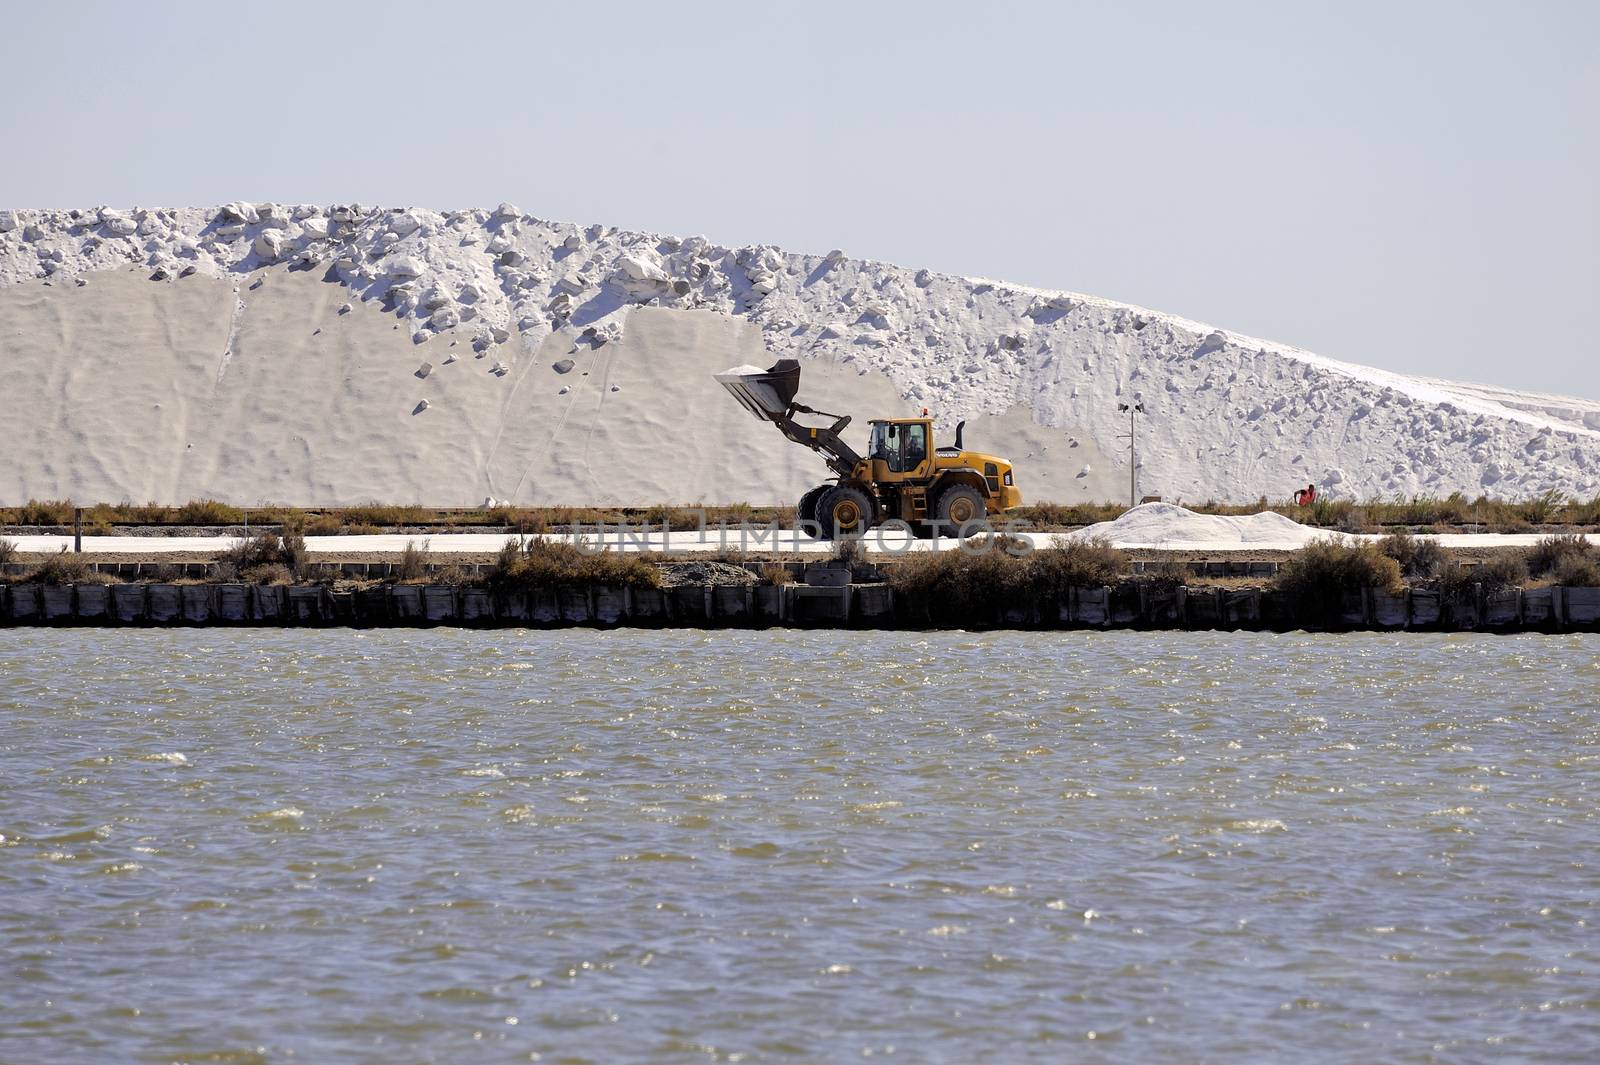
(268, 353)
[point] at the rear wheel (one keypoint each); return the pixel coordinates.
(959, 505)
(844, 511)
(806, 509)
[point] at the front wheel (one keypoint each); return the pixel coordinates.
(844, 511)
(806, 510)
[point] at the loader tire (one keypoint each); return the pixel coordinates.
(958, 507)
(844, 511)
(806, 509)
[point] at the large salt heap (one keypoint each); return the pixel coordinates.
(533, 304)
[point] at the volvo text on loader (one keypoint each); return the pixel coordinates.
(947, 490)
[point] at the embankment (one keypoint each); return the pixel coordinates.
(845, 605)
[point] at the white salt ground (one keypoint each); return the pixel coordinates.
(1159, 524)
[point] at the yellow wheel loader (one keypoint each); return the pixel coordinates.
(945, 490)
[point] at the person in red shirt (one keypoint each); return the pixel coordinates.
(1306, 496)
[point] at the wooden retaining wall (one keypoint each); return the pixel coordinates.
(802, 606)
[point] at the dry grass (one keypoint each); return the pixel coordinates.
(1065, 515)
(383, 515)
(8, 551)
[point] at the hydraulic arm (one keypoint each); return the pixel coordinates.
(769, 395)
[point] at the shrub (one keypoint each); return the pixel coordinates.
(536, 563)
(265, 549)
(996, 571)
(8, 551)
(1073, 563)
(413, 563)
(64, 568)
(293, 551)
(1575, 571)
(452, 576)
(270, 573)
(776, 573)
(1418, 558)
(45, 512)
(1318, 576)
(1168, 573)
(1551, 551)
(261, 549)
(207, 512)
(954, 585)
(327, 525)
(1502, 570)
(848, 549)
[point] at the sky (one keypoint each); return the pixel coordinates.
(1407, 185)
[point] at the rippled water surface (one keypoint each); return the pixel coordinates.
(575, 846)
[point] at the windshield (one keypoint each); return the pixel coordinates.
(885, 441)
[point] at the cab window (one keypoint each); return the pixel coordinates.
(912, 449)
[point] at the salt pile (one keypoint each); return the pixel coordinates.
(1166, 524)
(1230, 417)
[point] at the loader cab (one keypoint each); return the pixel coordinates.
(901, 449)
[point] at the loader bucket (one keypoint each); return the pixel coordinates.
(764, 393)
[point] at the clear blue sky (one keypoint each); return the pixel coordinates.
(1411, 185)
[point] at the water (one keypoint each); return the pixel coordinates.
(237, 846)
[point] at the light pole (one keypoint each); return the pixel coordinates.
(1131, 409)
